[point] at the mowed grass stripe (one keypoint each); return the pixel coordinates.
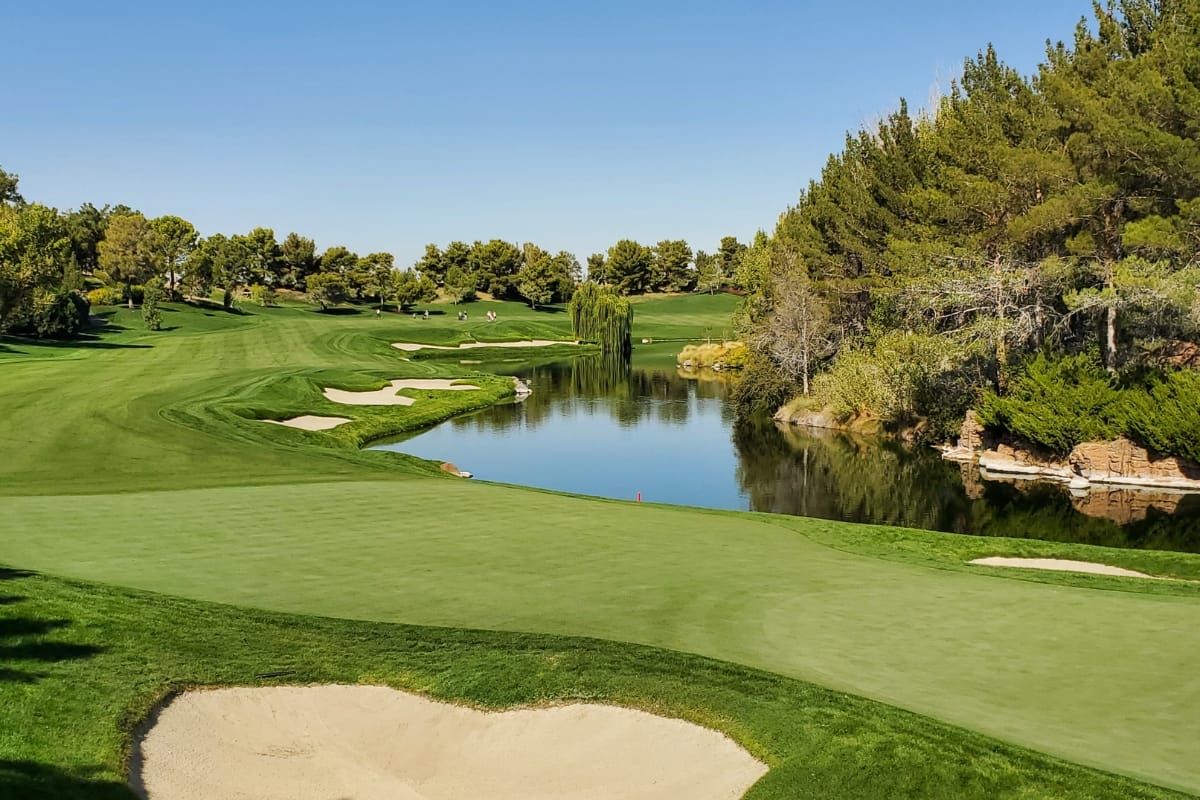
(1102, 678)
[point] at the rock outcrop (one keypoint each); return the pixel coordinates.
(972, 438)
(1124, 462)
(1119, 462)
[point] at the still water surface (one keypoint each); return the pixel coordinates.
(616, 431)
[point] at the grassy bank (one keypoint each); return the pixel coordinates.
(136, 460)
(83, 663)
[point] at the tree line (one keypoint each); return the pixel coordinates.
(45, 254)
(1057, 213)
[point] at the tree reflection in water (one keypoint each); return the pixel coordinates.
(606, 427)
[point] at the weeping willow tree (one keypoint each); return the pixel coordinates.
(599, 314)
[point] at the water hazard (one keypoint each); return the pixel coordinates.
(612, 431)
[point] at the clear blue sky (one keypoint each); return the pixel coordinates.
(386, 125)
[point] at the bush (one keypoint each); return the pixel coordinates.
(762, 386)
(136, 293)
(723, 355)
(262, 295)
(1165, 416)
(1058, 404)
(63, 316)
(150, 313)
(105, 296)
(901, 379)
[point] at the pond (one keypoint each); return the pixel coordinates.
(617, 431)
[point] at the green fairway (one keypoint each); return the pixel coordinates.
(137, 461)
(83, 663)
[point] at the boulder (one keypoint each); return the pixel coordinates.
(1124, 462)
(1005, 459)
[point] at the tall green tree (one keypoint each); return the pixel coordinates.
(672, 270)
(172, 240)
(408, 288)
(709, 277)
(377, 270)
(86, 226)
(432, 265)
(459, 284)
(126, 252)
(264, 263)
(628, 267)
(496, 264)
(597, 268)
(298, 256)
(34, 253)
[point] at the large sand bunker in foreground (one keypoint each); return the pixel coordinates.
(387, 395)
(1060, 565)
(374, 743)
(410, 346)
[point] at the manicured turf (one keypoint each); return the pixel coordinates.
(83, 663)
(143, 466)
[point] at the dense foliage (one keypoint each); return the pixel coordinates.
(1166, 415)
(600, 314)
(1056, 213)
(1058, 403)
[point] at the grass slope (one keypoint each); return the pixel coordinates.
(135, 460)
(83, 663)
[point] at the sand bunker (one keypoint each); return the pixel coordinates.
(387, 395)
(309, 422)
(374, 743)
(1061, 565)
(410, 346)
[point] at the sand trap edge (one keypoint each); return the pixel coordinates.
(1062, 565)
(754, 768)
(310, 422)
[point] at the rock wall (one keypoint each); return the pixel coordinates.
(1119, 462)
(1123, 461)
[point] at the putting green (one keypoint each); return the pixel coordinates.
(1105, 678)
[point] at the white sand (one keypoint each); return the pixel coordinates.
(387, 395)
(1061, 565)
(410, 346)
(374, 743)
(309, 422)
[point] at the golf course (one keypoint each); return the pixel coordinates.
(158, 536)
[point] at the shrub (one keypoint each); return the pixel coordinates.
(62, 316)
(762, 386)
(262, 295)
(104, 296)
(901, 379)
(1165, 416)
(150, 313)
(723, 355)
(1057, 404)
(136, 293)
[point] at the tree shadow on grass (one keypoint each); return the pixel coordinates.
(32, 780)
(24, 639)
(213, 305)
(84, 341)
(338, 311)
